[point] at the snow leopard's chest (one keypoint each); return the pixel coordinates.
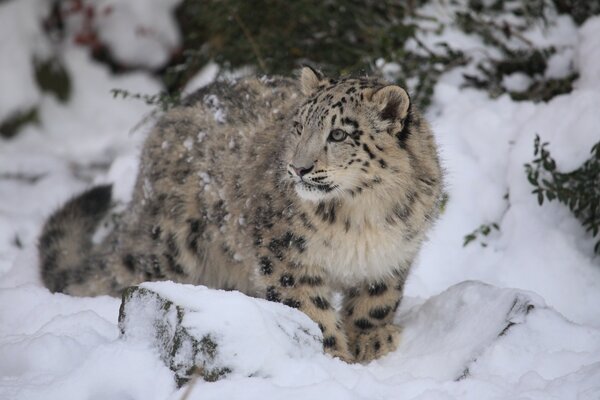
(361, 254)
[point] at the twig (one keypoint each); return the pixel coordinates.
(196, 374)
(253, 43)
(23, 177)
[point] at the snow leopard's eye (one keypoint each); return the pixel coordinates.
(298, 128)
(337, 135)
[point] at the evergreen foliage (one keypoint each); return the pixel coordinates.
(483, 231)
(579, 189)
(580, 10)
(12, 125)
(279, 36)
(52, 77)
(518, 54)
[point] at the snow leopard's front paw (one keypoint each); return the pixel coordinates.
(343, 355)
(375, 343)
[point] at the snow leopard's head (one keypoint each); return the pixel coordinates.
(348, 135)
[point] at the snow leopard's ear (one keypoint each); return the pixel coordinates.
(392, 101)
(309, 80)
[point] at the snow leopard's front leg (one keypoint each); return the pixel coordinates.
(368, 311)
(305, 288)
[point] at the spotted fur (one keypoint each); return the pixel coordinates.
(282, 190)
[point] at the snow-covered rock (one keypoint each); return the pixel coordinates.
(213, 333)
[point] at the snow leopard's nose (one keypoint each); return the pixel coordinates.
(300, 171)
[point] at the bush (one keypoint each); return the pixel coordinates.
(518, 54)
(579, 189)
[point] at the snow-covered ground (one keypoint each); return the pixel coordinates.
(455, 345)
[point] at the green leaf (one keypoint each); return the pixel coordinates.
(468, 239)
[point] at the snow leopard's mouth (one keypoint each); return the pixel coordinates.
(312, 191)
(323, 187)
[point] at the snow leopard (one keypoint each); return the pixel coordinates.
(313, 192)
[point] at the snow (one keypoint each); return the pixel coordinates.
(458, 299)
(137, 32)
(205, 76)
(20, 39)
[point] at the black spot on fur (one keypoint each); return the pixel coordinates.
(320, 302)
(326, 211)
(402, 211)
(368, 151)
(428, 181)
(377, 345)
(266, 265)
(376, 289)
(311, 280)
(172, 263)
(380, 313)
(306, 222)
(299, 243)
(292, 303)
(329, 342)
(195, 225)
(218, 212)
(129, 262)
(363, 324)
(154, 268)
(273, 294)
(176, 268)
(155, 232)
(172, 245)
(257, 235)
(155, 206)
(350, 121)
(277, 247)
(390, 339)
(287, 280)
(382, 163)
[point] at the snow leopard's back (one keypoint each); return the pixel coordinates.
(186, 221)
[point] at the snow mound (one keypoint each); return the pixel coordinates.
(54, 346)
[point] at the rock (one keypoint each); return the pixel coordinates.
(214, 333)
